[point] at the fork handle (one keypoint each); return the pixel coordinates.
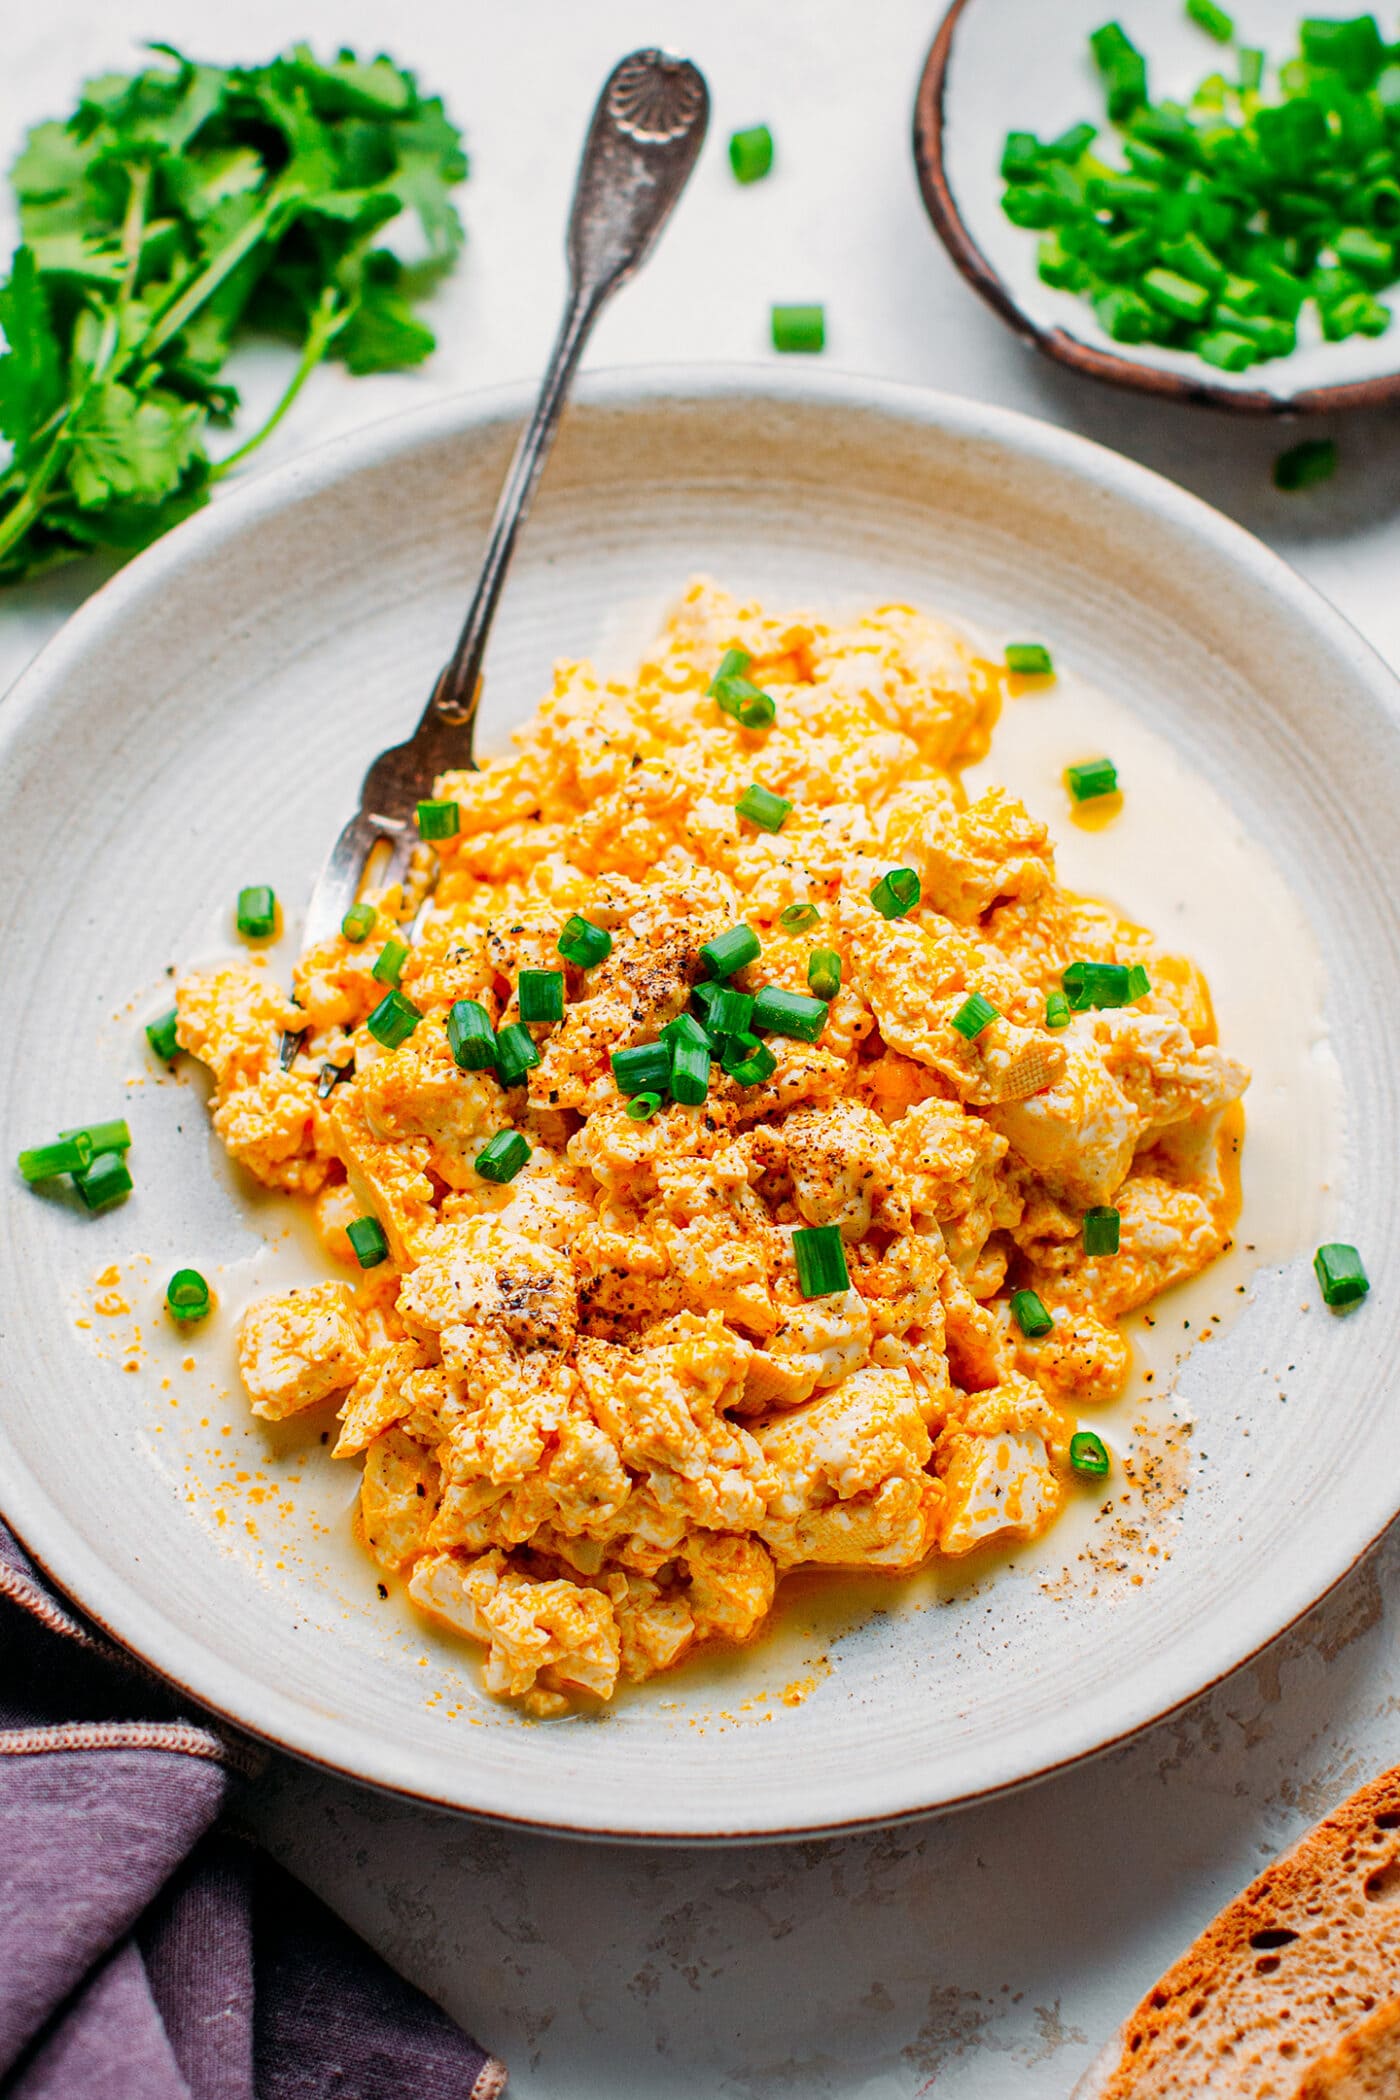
(645, 136)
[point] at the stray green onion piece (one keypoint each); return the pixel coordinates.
(393, 1020)
(439, 820)
(821, 1261)
(1088, 1455)
(367, 1241)
(359, 922)
(744, 702)
(1101, 1230)
(187, 1296)
(642, 1107)
(686, 1029)
(388, 964)
(796, 918)
(1304, 466)
(470, 1037)
(770, 812)
(751, 153)
(896, 894)
(70, 1155)
(1029, 1313)
(105, 1182)
(583, 943)
(516, 1054)
(645, 1068)
(256, 916)
(800, 328)
(973, 1016)
(777, 1012)
(1214, 20)
(1057, 1010)
(1096, 777)
(1029, 660)
(103, 1137)
(690, 1072)
(162, 1037)
(503, 1156)
(1341, 1274)
(730, 951)
(731, 1012)
(733, 664)
(1139, 983)
(1097, 984)
(824, 973)
(1122, 67)
(541, 994)
(752, 1069)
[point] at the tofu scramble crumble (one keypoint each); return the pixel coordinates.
(828, 1303)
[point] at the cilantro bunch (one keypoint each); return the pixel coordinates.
(176, 209)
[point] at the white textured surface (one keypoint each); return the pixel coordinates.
(989, 1952)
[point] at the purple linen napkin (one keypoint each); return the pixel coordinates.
(145, 1952)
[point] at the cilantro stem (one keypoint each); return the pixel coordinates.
(134, 228)
(16, 522)
(327, 321)
(208, 281)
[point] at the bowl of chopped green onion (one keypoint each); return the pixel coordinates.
(1196, 201)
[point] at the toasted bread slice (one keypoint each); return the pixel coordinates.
(1366, 2066)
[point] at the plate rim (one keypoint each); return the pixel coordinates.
(41, 1525)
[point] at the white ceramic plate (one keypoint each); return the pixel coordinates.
(1024, 65)
(203, 722)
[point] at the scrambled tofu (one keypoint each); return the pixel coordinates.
(597, 1414)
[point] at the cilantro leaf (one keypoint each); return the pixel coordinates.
(31, 370)
(124, 444)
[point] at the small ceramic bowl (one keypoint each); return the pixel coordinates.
(1012, 65)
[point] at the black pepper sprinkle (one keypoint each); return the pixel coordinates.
(381, 1589)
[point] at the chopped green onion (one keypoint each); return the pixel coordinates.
(751, 153)
(974, 1015)
(824, 973)
(796, 918)
(388, 964)
(745, 702)
(1123, 315)
(1030, 1315)
(439, 820)
(731, 1013)
(755, 1067)
(1176, 295)
(1227, 349)
(801, 328)
(162, 1037)
(1029, 660)
(1072, 143)
(1357, 248)
(1020, 157)
(645, 1068)
(367, 1242)
(1100, 984)
(470, 1037)
(1251, 69)
(821, 1261)
(541, 996)
(187, 1296)
(731, 951)
(330, 1076)
(584, 943)
(105, 1182)
(1340, 1274)
(1214, 20)
(1139, 983)
(1123, 69)
(516, 1054)
(770, 812)
(1303, 466)
(103, 1137)
(1057, 1010)
(705, 994)
(732, 664)
(503, 1156)
(686, 1029)
(642, 1107)
(1352, 48)
(1088, 1455)
(393, 1020)
(896, 894)
(70, 1155)
(690, 1072)
(256, 916)
(777, 1012)
(359, 922)
(1097, 776)
(1101, 1229)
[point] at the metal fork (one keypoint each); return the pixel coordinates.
(644, 139)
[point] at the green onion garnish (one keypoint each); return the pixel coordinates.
(1029, 660)
(470, 1037)
(439, 820)
(1123, 69)
(1340, 1274)
(643, 1069)
(690, 1071)
(70, 1155)
(1088, 1455)
(367, 1241)
(796, 918)
(584, 943)
(1139, 983)
(503, 1156)
(974, 1015)
(541, 995)
(256, 916)
(731, 1013)
(105, 1182)
(1089, 984)
(1214, 20)
(757, 1064)
(705, 994)
(103, 1137)
(731, 951)
(732, 664)
(824, 973)
(821, 1261)
(1176, 295)
(1101, 1229)
(747, 703)
(751, 153)
(516, 1054)
(685, 1029)
(1029, 1313)
(359, 922)
(393, 1020)
(1097, 776)
(642, 1107)
(776, 1012)
(1304, 466)
(770, 812)
(388, 964)
(162, 1037)
(187, 1296)
(1057, 1014)
(801, 328)
(1251, 69)
(896, 894)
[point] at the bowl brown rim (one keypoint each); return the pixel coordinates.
(930, 124)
